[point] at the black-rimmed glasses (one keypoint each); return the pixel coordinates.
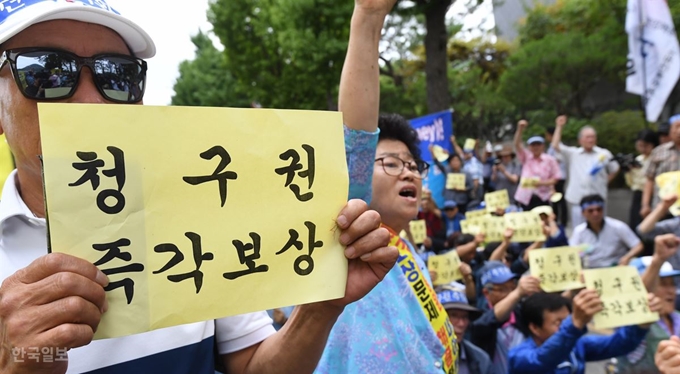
(53, 74)
(394, 166)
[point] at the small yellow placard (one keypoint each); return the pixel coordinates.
(455, 181)
(558, 268)
(440, 154)
(527, 225)
(496, 199)
(446, 266)
(530, 183)
(669, 184)
(469, 144)
(623, 296)
(470, 214)
(196, 213)
(418, 230)
(491, 226)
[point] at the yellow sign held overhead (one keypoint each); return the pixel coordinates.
(558, 269)
(440, 153)
(469, 144)
(496, 199)
(446, 266)
(455, 181)
(418, 230)
(623, 296)
(160, 199)
(527, 225)
(669, 184)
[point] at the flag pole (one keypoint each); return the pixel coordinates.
(643, 97)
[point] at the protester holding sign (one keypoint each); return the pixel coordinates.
(455, 166)
(471, 166)
(663, 159)
(557, 340)
(653, 225)
(659, 278)
(538, 165)
(63, 297)
(506, 172)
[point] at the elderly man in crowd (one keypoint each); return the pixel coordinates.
(591, 168)
(538, 167)
(611, 242)
(56, 301)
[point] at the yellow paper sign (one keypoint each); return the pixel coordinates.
(440, 153)
(418, 230)
(455, 181)
(470, 214)
(669, 184)
(623, 296)
(529, 183)
(527, 225)
(496, 199)
(469, 144)
(446, 266)
(167, 202)
(558, 269)
(491, 226)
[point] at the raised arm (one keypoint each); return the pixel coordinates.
(665, 246)
(526, 286)
(499, 253)
(557, 136)
(521, 125)
(456, 147)
(359, 98)
(647, 225)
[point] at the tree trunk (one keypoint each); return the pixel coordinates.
(436, 64)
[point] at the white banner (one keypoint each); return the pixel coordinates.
(654, 54)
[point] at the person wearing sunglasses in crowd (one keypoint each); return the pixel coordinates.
(54, 301)
(611, 242)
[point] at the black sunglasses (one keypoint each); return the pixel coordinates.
(53, 74)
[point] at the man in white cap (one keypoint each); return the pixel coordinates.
(53, 302)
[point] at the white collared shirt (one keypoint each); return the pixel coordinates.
(608, 246)
(580, 163)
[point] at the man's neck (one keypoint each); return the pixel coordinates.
(396, 225)
(31, 194)
(597, 226)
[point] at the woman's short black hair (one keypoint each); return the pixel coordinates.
(648, 136)
(534, 306)
(395, 127)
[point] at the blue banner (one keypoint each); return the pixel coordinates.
(434, 129)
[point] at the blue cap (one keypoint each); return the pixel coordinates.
(455, 299)
(536, 139)
(641, 264)
(450, 204)
(496, 272)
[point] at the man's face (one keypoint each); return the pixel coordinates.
(548, 137)
(467, 155)
(666, 292)
(551, 324)
(395, 197)
(498, 292)
(536, 148)
(675, 132)
(588, 139)
(594, 214)
(19, 115)
(460, 320)
(451, 212)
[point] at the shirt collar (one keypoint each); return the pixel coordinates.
(604, 221)
(12, 204)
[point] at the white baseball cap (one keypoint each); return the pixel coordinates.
(17, 15)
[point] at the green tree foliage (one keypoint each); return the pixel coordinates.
(205, 81)
(284, 53)
(566, 50)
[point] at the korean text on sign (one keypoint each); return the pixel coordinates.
(446, 266)
(175, 206)
(455, 181)
(418, 230)
(558, 269)
(623, 295)
(496, 200)
(528, 227)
